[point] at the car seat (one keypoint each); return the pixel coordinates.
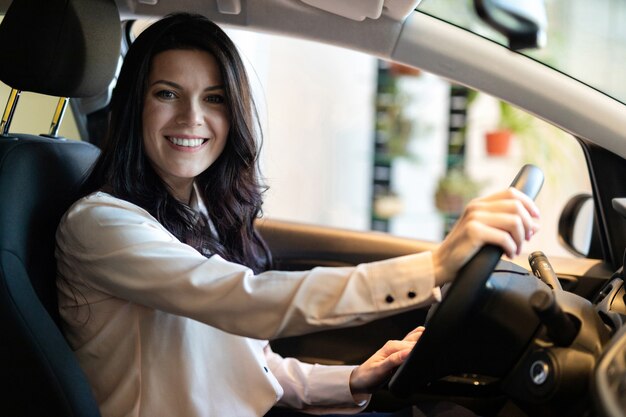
(65, 48)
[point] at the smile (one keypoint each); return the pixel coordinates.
(189, 143)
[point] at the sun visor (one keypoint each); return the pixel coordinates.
(359, 10)
(66, 48)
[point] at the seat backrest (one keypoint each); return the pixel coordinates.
(67, 48)
(38, 181)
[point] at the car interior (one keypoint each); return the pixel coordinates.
(510, 338)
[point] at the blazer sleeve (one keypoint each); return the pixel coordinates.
(314, 388)
(117, 249)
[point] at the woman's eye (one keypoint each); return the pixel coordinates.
(166, 94)
(215, 99)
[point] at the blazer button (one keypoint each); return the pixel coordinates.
(389, 299)
(411, 294)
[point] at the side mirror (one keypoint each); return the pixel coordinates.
(523, 23)
(578, 232)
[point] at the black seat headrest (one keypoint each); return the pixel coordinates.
(65, 48)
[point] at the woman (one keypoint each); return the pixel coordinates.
(169, 307)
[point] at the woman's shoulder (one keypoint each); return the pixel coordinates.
(100, 224)
(97, 219)
(100, 208)
(100, 201)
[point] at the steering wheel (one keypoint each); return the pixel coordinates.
(427, 361)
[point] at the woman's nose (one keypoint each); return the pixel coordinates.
(190, 114)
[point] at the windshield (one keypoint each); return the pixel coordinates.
(586, 39)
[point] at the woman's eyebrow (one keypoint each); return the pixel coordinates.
(180, 87)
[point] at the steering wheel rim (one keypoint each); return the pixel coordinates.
(426, 362)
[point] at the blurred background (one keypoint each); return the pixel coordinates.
(356, 142)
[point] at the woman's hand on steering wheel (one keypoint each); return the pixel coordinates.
(375, 371)
(504, 219)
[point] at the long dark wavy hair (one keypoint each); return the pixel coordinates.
(230, 186)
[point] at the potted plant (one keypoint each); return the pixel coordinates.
(388, 205)
(454, 191)
(513, 122)
(398, 69)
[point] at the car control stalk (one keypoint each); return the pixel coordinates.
(561, 328)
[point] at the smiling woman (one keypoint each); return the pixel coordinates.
(180, 102)
(165, 303)
(179, 277)
(185, 118)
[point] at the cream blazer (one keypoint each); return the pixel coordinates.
(160, 330)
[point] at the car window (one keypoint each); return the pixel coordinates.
(579, 32)
(325, 111)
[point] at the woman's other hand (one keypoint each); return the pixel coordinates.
(379, 367)
(505, 219)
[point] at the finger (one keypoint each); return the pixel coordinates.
(528, 202)
(395, 360)
(391, 362)
(393, 346)
(413, 337)
(415, 334)
(510, 223)
(482, 234)
(514, 193)
(529, 225)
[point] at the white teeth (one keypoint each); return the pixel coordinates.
(190, 143)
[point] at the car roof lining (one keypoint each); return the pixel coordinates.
(286, 17)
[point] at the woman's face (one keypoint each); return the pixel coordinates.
(185, 117)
